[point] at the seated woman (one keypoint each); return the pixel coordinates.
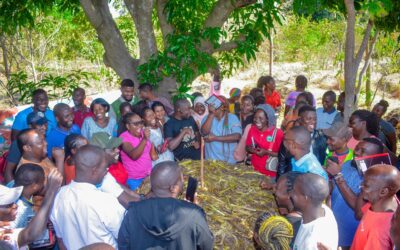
(137, 151)
(156, 137)
(264, 140)
(101, 122)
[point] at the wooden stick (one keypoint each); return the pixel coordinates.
(202, 163)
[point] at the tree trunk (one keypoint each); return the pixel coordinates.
(7, 70)
(116, 54)
(270, 54)
(368, 93)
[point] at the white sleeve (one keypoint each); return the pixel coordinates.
(111, 186)
(113, 220)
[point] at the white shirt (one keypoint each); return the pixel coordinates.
(111, 186)
(83, 215)
(323, 230)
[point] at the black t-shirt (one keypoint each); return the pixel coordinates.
(249, 120)
(185, 150)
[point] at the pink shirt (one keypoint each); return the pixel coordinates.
(140, 168)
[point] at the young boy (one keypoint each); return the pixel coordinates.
(127, 95)
(272, 97)
(326, 115)
(31, 177)
(381, 182)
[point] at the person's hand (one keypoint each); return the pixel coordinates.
(251, 149)
(146, 133)
(332, 167)
(187, 131)
(210, 138)
(261, 152)
(196, 145)
(5, 234)
(58, 154)
(211, 109)
(54, 180)
(321, 246)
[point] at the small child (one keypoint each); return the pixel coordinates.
(137, 151)
(31, 177)
(124, 109)
(234, 104)
(381, 182)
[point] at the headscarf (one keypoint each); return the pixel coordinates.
(234, 92)
(198, 118)
(270, 113)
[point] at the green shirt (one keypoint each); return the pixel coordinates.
(114, 111)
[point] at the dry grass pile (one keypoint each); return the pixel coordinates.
(232, 200)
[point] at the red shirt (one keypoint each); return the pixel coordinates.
(274, 99)
(79, 116)
(373, 231)
(261, 140)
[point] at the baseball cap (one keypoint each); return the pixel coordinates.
(105, 141)
(338, 129)
(36, 118)
(9, 195)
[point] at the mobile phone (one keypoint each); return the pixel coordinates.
(335, 159)
(191, 188)
(164, 146)
(215, 101)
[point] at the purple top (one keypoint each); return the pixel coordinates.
(140, 168)
(291, 99)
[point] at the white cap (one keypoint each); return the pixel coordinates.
(9, 195)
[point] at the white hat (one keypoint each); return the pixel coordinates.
(9, 195)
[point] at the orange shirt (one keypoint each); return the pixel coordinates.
(274, 99)
(69, 172)
(46, 164)
(373, 231)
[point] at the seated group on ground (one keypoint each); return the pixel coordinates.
(73, 174)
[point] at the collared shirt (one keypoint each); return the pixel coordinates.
(114, 109)
(80, 116)
(309, 164)
(274, 99)
(83, 215)
(222, 151)
(57, 136)
(325, 119)
(21, 123)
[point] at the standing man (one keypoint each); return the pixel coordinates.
(82, 214)
(222, 131)
(40, 104)
(81, 111)
(182, 133)
(327, 113)
(298, 141)
(164, 221)
(146, 93)
(319, 224)
(127, 95)
(65, 127)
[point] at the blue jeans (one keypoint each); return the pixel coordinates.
(134, 183)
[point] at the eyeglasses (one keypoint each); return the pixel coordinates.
(138, 123)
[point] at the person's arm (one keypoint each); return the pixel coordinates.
(61, 245)
(59, 156)
(173, 143)
(9, 171)
(14, 134)
(153, 153)
(134, 152)
(349, 196)
(206, 127)
(224, 138)
(360, 202)
(85, 128)
(205, 238)
(39, 222)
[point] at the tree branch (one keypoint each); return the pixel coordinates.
(141, 12)
(166, 28)
(227, 46)
(222, 9)
(116, 54)
(364, 43)
(367, 61)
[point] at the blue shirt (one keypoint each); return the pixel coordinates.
(325, 119)
(20, 122)
(222, 151)
(309, 164)
(57, 136)
(345, 217)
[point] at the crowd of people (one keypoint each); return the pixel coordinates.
(73, 174)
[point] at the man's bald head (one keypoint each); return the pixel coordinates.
(301, 136)
(384, 176)
(314, 187)
(90, 164)
(164, 176)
